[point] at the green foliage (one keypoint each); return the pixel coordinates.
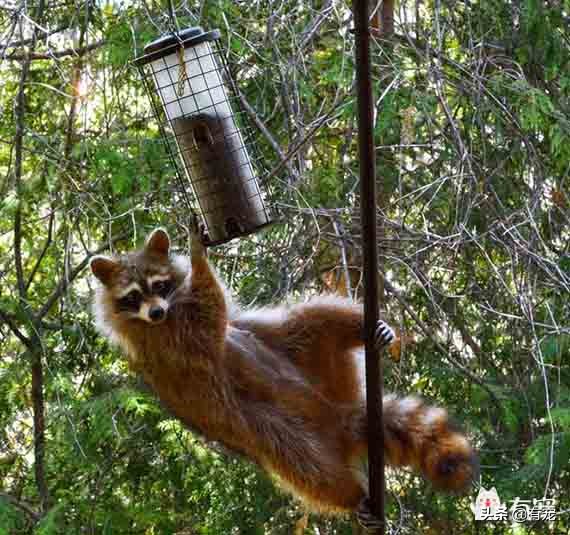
(472, 154)
(50, 524)
(561, 417)
(10, 519)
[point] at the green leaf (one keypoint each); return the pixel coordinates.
(10, 518)
(561, 417)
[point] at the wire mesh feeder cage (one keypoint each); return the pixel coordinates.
(191, 91)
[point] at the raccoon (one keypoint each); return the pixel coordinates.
(282, 385)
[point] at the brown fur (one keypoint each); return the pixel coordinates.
(281, 388)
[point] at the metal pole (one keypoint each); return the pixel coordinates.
(370, 259)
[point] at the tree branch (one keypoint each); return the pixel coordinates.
(42, 34)
(308, 136)
(67, 280)
(311, 31)
(38, 404)
(266, 133)
(33, 56)
(8, 320)
(429, 333)
(19, 110)
(44, 250)
(23, 506)
(34, 345)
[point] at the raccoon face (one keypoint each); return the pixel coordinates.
(145, 299)
(140, 286)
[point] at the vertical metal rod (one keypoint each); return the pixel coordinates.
(370, 258)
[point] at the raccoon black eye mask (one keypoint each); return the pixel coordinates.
(130, 302)
(163, 288)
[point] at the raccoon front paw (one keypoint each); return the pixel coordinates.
(365, 517)
(197, 247)
(384, 335)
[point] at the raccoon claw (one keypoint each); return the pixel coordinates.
(366, 518)
(384, 335)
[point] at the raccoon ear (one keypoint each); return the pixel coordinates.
(158, 242)
(103, 268)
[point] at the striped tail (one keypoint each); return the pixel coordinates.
(421, 436)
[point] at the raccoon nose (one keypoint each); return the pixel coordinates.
(156, 313)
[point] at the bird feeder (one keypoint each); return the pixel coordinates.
(190, 89)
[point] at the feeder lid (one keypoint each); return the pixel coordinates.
(166, 44)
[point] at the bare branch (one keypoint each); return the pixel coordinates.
(312, 30)
(41, 34)
(8, 320)
(429, 333)
(35, 56)
(65, 281)
(23, 506)
(266, 133)
(44, 250)
(19, 111)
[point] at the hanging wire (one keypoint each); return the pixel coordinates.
(182, 74)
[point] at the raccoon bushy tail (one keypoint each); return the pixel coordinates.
(422, 437)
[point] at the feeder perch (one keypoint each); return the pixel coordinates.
(191, 101)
